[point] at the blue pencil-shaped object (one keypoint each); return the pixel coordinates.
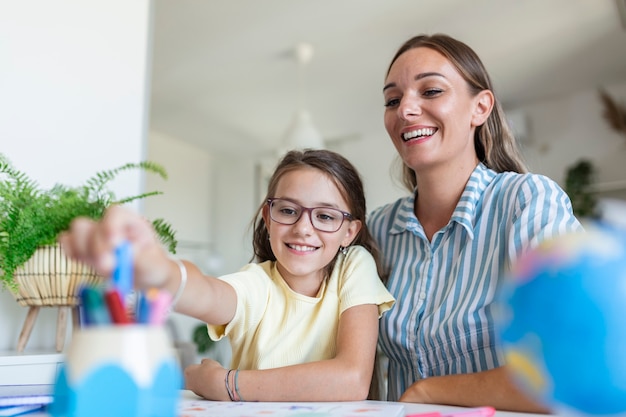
(143, 308)
(123, 272)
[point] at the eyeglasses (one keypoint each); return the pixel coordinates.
(324, 219)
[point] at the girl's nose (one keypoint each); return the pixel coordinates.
(304, 225)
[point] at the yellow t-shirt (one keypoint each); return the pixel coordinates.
(274, 326)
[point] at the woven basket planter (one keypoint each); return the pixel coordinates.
(49, 278)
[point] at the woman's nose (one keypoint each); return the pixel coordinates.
(409, 107)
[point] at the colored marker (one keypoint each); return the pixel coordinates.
(471, 412)
(123, 272)
(142, 310)
(96, 312)
(160, 307)
(115, 304)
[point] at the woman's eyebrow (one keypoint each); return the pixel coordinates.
(416, 78)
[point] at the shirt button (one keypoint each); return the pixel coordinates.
(422, 295)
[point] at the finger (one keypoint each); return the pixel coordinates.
(101, 249)
(74, 241)
(118, 224)
(150, 260)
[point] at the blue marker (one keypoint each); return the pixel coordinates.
(95, 311)
(123, 273)
(143, 308)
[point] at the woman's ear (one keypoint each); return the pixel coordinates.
(483, 104)
(354, 227)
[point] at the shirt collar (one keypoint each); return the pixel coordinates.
(465, 211)
(405, 218)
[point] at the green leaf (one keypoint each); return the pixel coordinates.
(201, 338)
(31, 216)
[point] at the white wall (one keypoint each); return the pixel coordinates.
(186, 199)
(74, 90)
(566, 129)
(186, 203)
(208, 198)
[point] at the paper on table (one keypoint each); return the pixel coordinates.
(203, 408)
(19, 410)
(14, 395)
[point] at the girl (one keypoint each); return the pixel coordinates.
(307, 312)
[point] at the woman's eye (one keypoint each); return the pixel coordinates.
(432, 92)
(392, 102)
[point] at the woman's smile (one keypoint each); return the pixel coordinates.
(418, 133)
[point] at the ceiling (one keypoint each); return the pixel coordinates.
(223, 77)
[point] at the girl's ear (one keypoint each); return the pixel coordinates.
(265, 213)
(354, 227)
(483, 104)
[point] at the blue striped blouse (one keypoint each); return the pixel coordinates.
(443, 319)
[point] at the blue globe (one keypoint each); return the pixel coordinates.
(564, 322)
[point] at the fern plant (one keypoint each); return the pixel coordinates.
(31, 217)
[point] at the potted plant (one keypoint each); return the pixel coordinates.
(579, 177)
(200, 337)
(31, 218)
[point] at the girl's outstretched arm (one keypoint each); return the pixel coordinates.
(206, 298)
(346, 377)
(93, 243)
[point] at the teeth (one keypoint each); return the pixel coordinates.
(419, 132)
(302, 248)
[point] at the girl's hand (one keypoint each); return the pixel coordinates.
(207, 380)
(93, 243)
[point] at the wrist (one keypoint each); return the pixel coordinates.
(231, 382)
(228, 386)
(181, 271)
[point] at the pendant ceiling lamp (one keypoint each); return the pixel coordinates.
(301, 132)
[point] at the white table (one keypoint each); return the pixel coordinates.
(409, 408)
(29, 367)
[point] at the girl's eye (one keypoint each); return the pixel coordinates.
(288, 211)
(326, 215)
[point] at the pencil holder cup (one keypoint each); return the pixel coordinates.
(122, 371)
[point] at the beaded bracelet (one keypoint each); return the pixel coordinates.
(183, 283)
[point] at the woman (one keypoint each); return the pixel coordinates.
(472, 211)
